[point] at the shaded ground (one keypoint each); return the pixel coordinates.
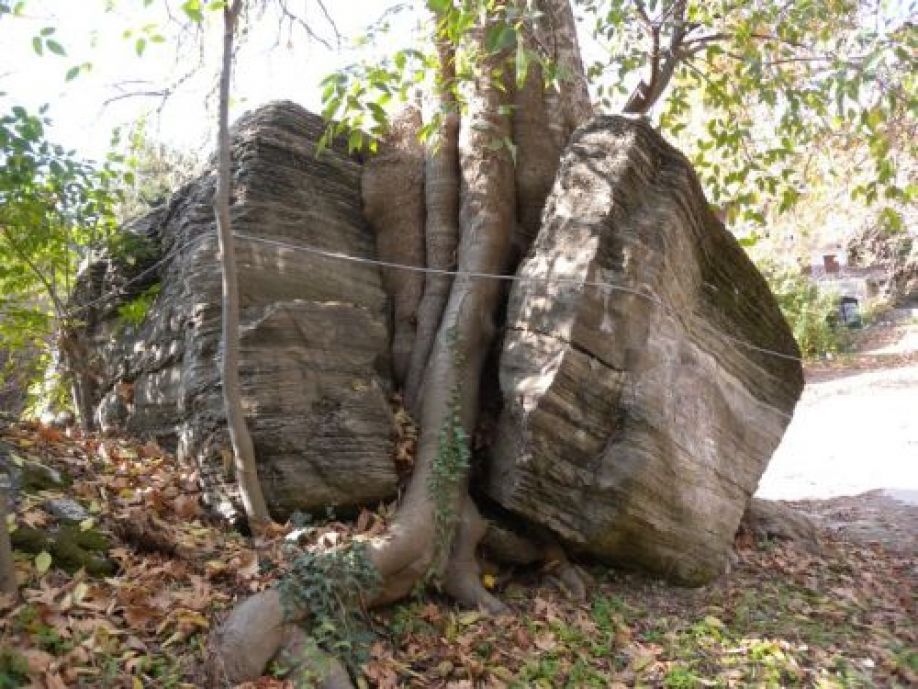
(844, 618)
(851, 451)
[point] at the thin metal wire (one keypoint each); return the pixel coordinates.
(495, 276)
(119, 292)
(338, 256)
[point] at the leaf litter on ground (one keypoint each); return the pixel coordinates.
(781, 617)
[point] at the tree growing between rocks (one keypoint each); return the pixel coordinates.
(438, 527)
(509, 90)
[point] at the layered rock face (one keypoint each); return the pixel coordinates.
(314, 350)
(637, 421)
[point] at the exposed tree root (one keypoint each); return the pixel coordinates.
(254, 632)
(462, 579)
(571, 578)
(437, 529)
(441, 231)
(392, 187)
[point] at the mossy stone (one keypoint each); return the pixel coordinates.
(36, 477)
(71, 548)
(30, 540)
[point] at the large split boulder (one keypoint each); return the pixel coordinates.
(637, 420)
(314, 330)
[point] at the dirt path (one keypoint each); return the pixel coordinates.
(850, 456)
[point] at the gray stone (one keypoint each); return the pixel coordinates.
(66, 510)
(636, 423)
(771, 519)
(113, 413)
(314, 343)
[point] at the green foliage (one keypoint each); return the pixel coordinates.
(134, 312)
(14, 669)
(355, 99)
(329, 585)
(757, 92)
(777, 83)
(153, 171)
(681, 678)
(812, 316)
(56, 210)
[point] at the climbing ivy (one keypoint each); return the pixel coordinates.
(450, 467)
(331, 586)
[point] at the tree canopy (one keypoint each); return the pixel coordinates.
(752, 91)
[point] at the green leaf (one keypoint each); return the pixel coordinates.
(36, 45)
(354, 141)
(43, 562)
(522, 64)
(47, 31)
(439, 6)
(500, 37)
(139, 46)
(55, 47)
(192, 9)
(72, 73)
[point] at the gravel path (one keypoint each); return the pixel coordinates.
(848, 436)
(855, 433)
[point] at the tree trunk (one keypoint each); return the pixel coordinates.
(8, 584)
(570, 106)
(393, 203)
(441, 232)
(444, 384)
(243, 449)
(538, 112)
(75, 359)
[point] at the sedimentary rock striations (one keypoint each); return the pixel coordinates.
(638, 420)
(315, 361)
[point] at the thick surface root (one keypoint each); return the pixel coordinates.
(392, 187)
(574, 580)
(462, 578)
(248, 639)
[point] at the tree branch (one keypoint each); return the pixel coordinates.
(24, 257)
(648, 93)
(296, 19)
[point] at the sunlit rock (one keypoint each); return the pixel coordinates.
(314, 332)
(637, 421)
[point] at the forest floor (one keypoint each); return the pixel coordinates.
(845, 616)
(842, 617)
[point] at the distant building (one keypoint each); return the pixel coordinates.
(852, 285)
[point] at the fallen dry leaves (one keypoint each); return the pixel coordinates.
(845, 618)
(145, 626)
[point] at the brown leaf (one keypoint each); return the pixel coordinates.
(54, 681)
(39, 661)
(187, 506)
(139, 616)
